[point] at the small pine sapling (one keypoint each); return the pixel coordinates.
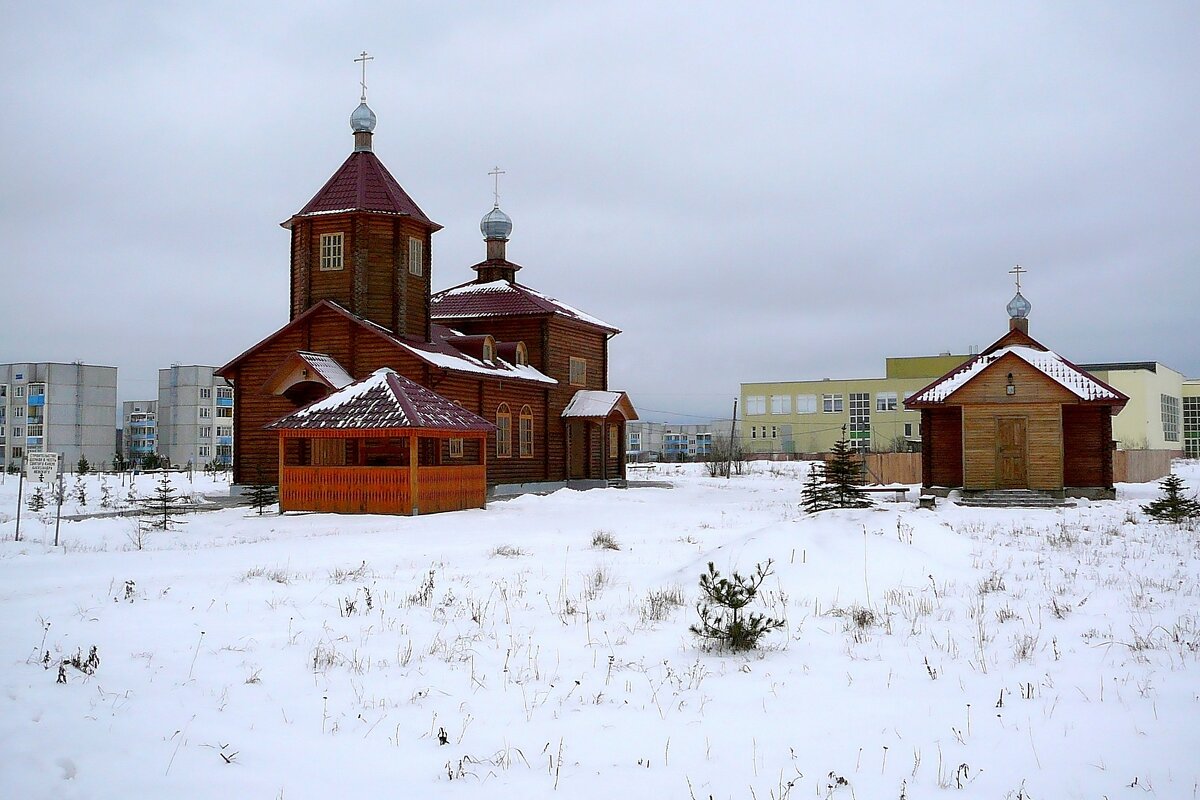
(1172, 505)
(262, 494)
(724, 619)
(80, 491)
(162, 508)
(82, 467)
(37, 500)
(106, 499)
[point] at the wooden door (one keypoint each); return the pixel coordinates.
(577, 436)
(1012, 468)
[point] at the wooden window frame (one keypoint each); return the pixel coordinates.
(577, 371)
(525, 432)
(456, 447)
(331, 250)
(614, 442)
(416, 256)
(503, 431)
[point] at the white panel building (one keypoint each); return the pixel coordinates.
(69, 409)
(195, 416)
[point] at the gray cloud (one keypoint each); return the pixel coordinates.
(792, 191)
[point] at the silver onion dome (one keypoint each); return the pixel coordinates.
(363, 119)
(1018, 307)
(495, 224)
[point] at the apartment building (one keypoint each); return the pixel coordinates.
(51, 407)
(664, 441)
(140, 428)
(194, 416)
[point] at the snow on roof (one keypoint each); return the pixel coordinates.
(1050, 364)
(597, 403)
(384, 399)
(327, 368)
(501, 298)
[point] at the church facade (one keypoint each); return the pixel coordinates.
(361, 300)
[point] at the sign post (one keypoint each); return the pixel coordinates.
(20, 487)
(41, 467)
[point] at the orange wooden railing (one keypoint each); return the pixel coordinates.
(381, 490)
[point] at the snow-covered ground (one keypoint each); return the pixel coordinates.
(960, 652)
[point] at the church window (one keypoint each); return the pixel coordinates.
(522, 354)
(525, 432)
(331, 252)
(503, 432)
(456, 447)
(416, 257)
(578, 375)
(489, 349)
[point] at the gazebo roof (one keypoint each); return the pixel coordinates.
(385, 399)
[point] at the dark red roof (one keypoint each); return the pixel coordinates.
(504, 299)
(363, 183)
(385, 399)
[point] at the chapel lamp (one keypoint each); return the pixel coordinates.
(1010, 388)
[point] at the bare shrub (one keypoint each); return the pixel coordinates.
(508, 551)
(604, 540)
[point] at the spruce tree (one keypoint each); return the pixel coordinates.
(162, 507)
(37, 500)
(1172, 505)
(119, 463)
(817, 494)
(843, 474)
(82, 466)
(262, 493)
(80, 491)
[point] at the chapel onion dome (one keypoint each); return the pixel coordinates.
(363, 119)
(1018, 307)
(495, 224)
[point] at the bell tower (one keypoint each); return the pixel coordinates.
(362, 242)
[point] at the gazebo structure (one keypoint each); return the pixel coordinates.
(382, 445)
(1018, 417)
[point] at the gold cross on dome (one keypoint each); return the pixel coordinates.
(496, 173)
(1017, 271)
(364, 58)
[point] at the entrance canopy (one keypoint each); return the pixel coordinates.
(596, 404)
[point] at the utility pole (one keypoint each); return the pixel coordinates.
(732, 430)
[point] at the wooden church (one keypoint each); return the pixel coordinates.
(1018, 416)
(534, 368)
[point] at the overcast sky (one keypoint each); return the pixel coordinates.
(757, 191)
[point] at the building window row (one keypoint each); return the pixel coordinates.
(1191, 427)
(504, 432)
(832, 403)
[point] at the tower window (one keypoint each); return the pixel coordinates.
(578, 371)
(331, 252)
(416, 256)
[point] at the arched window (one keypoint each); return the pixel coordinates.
(503, 432)
(525, 432)
(522, 354)
(489, 349)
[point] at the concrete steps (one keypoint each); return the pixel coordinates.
(1012, 498)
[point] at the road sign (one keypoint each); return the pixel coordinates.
(41, 467)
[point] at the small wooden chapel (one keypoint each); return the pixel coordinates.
(1018, 416)
(534, 368)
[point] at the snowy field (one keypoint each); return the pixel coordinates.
(1042, 654)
